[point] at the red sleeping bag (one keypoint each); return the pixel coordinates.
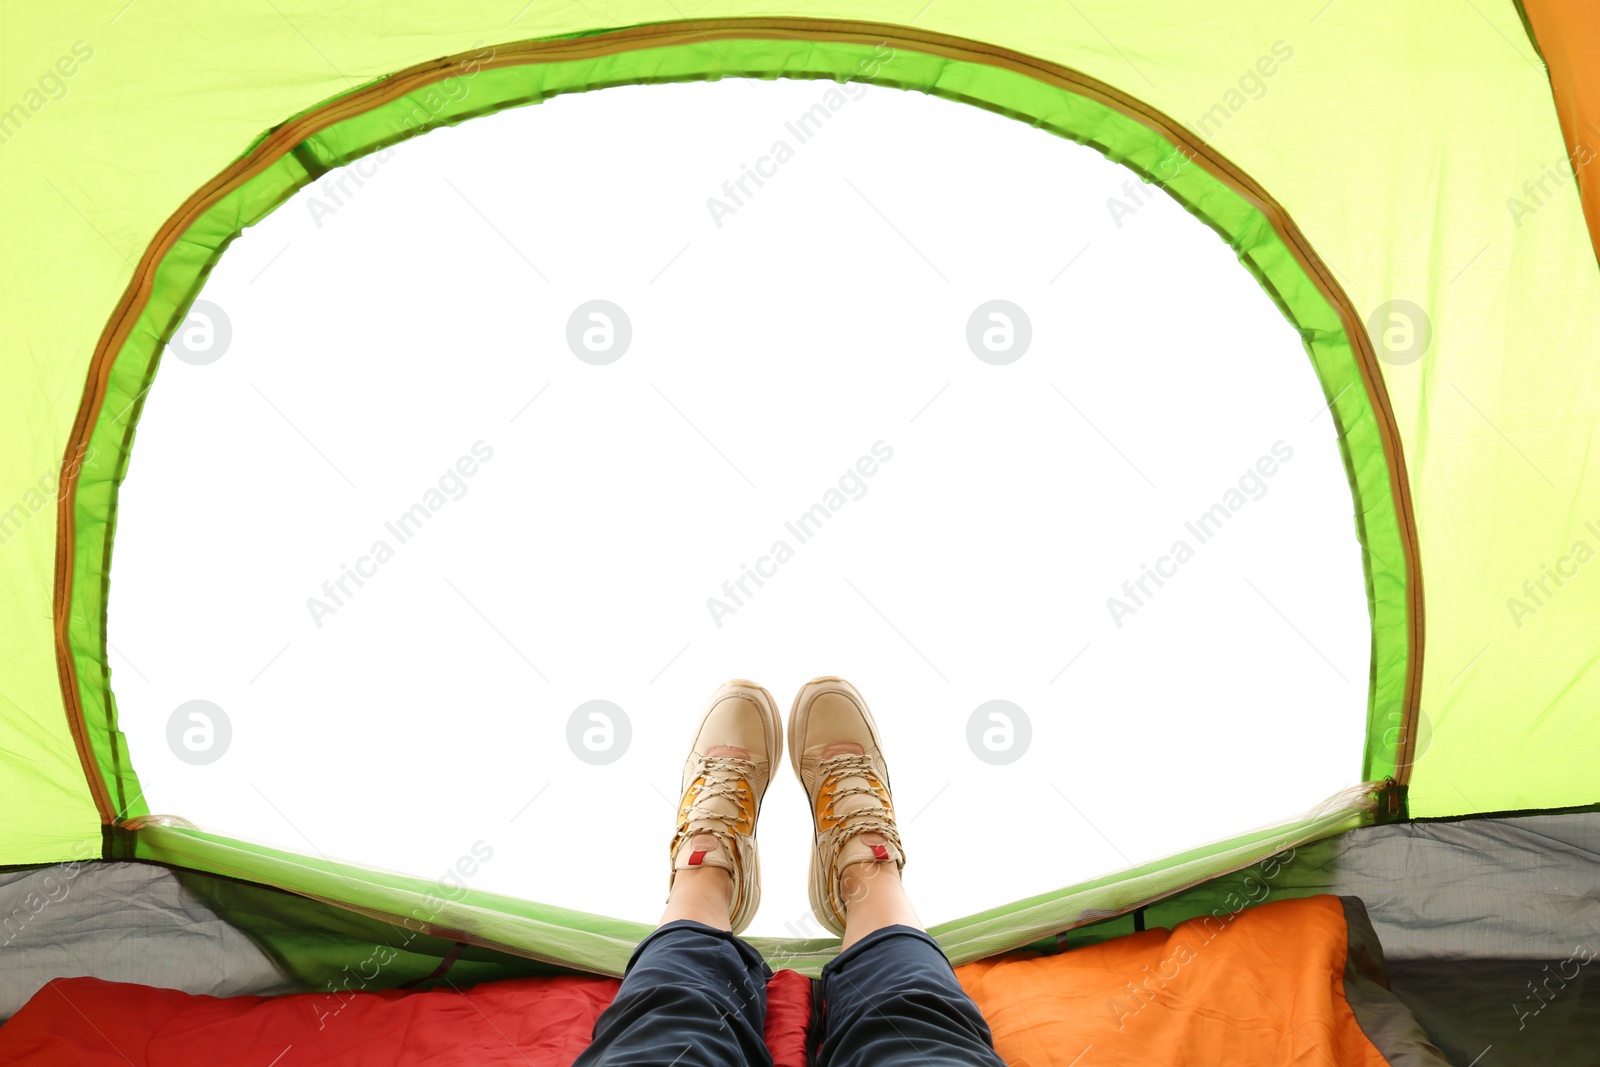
(528, 1022)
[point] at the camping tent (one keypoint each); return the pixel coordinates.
(1414, 198)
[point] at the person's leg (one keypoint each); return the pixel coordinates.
(694, 994)
(890, 997)
(874, 897)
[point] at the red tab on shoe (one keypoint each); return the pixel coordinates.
(879, 851)
(696, 857)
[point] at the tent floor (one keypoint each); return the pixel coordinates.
(1491, 928)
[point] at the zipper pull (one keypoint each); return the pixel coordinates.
(1391, 801)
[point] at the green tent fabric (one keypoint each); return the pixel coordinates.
(1398, 179)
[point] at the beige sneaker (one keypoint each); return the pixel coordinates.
(722, 794)
(849, 793)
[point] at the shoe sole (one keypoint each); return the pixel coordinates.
(772, 730)
(818, 889)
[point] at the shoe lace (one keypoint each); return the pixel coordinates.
(874, 817)
(721, 778)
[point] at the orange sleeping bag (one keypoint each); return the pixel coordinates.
(1267, 985)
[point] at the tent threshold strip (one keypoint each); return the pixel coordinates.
(600, 944)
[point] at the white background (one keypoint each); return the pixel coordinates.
(379, 332)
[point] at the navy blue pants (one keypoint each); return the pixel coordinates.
(695, 996)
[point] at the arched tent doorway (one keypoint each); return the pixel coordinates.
(365, 121)
(365, 620)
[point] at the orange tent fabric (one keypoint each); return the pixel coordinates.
(1266, 985)
(1568, 34)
